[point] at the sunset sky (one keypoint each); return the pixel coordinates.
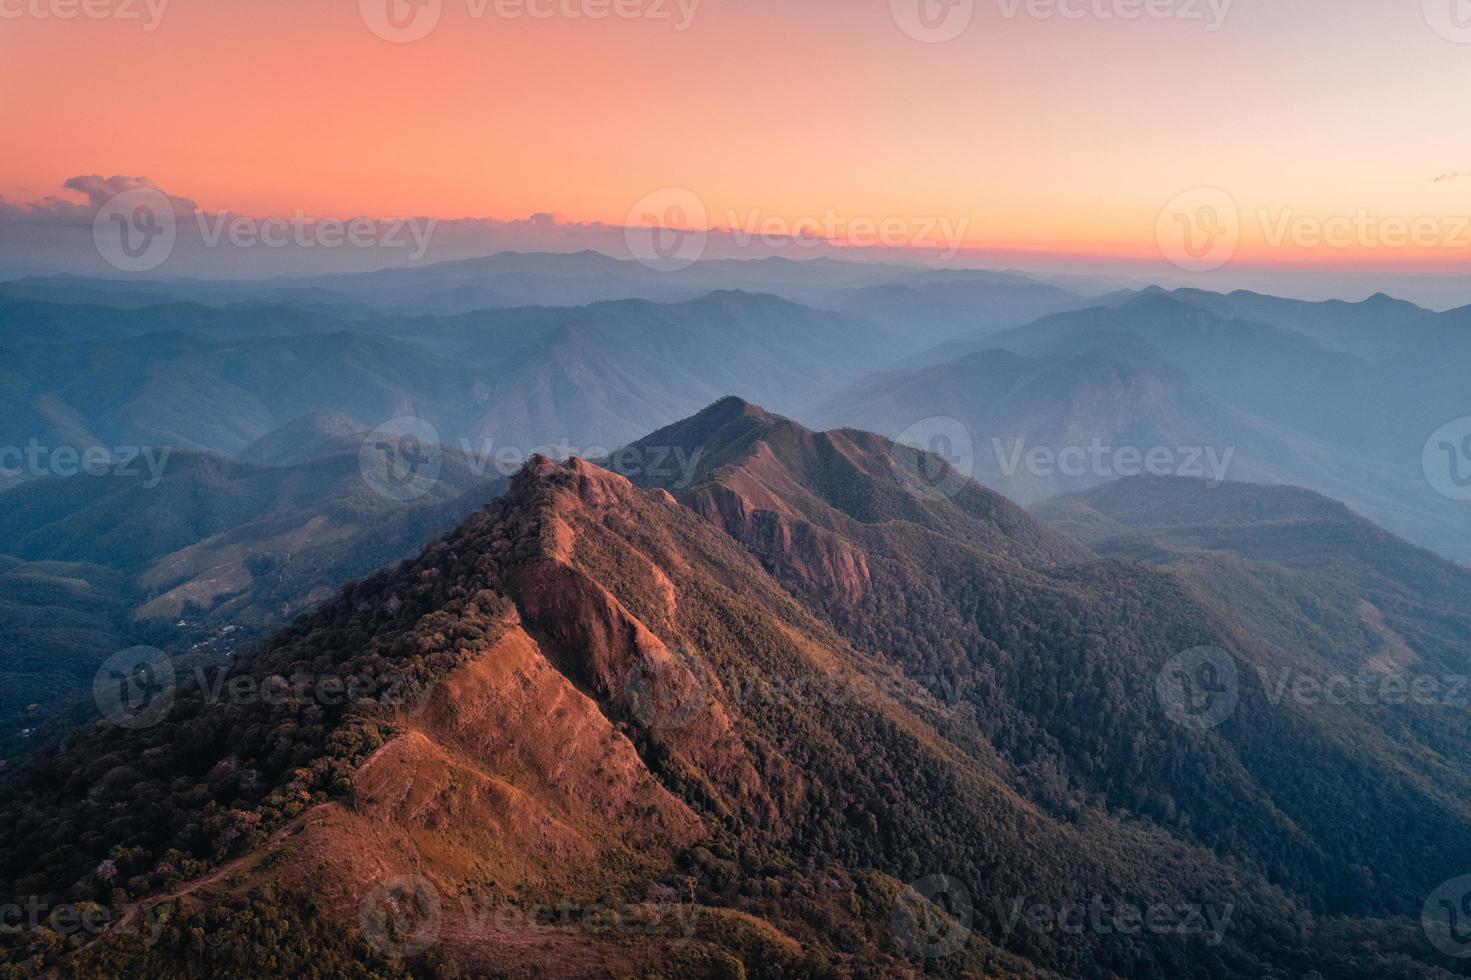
(1047, 135)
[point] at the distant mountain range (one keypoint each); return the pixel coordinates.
(518, 279)
(1092, 403)
(1337, 397)
(525, 378)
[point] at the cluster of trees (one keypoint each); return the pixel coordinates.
(113, 814)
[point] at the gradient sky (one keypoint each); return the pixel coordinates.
(1049, 135)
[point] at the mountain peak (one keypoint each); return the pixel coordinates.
(542, 478)
(1156, 298)
(733, 406)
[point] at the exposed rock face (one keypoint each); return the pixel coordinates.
(791, 546)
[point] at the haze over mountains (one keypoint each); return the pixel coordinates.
(1167, 371)
(602, 374)
(780, 689)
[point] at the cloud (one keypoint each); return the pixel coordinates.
(56, 233)
(98, 190)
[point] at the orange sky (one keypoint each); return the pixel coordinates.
(1066, 135)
